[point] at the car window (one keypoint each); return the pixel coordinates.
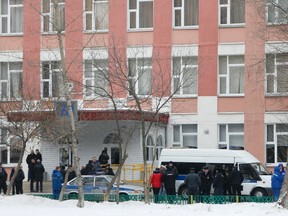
(88, 181)
(101, 181)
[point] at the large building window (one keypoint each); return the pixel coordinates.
(231, 75)
(96, 78)
(277, 11)
(11, 80)
(140, 76)
(185, 136)
(185, 75)
(140, 13)
(186, 13)
(277, 73)
(10, 148)
(276, 143)
(149, 148)
(231, 12)
(51, 22)
(52, 84)
(96, 15)
(11, 16)
(231, 136)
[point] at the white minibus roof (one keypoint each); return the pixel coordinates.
(207, 156)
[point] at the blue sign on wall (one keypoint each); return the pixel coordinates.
(62, 111)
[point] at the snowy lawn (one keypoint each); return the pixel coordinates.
(27, 205)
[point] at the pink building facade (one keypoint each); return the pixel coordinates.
(230, 91)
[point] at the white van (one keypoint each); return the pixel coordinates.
(257, 179)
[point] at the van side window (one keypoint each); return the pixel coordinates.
(248, 172)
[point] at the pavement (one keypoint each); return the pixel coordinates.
(47, 187)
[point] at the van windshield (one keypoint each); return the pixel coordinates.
(260, 169)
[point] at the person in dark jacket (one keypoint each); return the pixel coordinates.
(109, 170)
(72, 174)
(218, 182)
(227, 182)
(57, 180)
(104, 157)
(38, 175)
(236, 178)
(276, 182)
(169, 179)
(206, 181)
(3, 179)
(38, 155)
(30, 160)
(193, 182)
(19, 181)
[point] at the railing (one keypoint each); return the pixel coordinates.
(177, 200)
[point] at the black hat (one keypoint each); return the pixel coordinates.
(192, 169)
(205, 167)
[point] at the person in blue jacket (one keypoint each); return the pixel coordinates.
(57, 180)
(276, 181)
(282, 169)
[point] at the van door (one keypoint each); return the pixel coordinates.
(250, 178)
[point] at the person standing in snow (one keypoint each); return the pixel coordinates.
(276, 182)
(57, 180)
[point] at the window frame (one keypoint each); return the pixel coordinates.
(275, 13)
(94, 77)
(9, 80)
(180, 143)
(274, 74)
(228, 75)
(50, 14)
(226, 142)
(180, 76)
(93, 16)
(50, 80)
(135, 77)
(274, 142)
(137, 16)
(182, 11)
(8, 18)
(228, 15)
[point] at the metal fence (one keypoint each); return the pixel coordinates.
(177, 200)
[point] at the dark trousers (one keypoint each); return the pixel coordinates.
(31, 185)
(19, 187)
(156, 194)
(170, 191)
(3, 186)
(55, 194)
(39, 182)
(205, 190)
(236, 189)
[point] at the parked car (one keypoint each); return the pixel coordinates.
(98, 184)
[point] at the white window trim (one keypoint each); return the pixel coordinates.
(93, 12)
(228, 134)
(137, 28)
(51, 15)
(180, 143)
(180, 76)
(275, 15)
(227, 76)
(182, 26)
(229, 24)
(9, 20)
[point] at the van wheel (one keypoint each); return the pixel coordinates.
(183, 190)
(73, 196)
(259, 192)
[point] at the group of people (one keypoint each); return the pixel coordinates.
(224, 182)
(100, 166)
(35, 170)
(277, 180)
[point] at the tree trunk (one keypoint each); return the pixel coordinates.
(69, 170)
(283, 199)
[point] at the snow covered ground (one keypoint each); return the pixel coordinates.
(27, 205)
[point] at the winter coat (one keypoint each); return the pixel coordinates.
(192, 180)
(218, 181)
(20, 176)
(277, 179)
(206, 179)
(236, 177)
(156, 179)
(29, 159)
(57, 180)
(103, 158)
(38, 171)
(169, 178)
(283, 172)
(3, 175)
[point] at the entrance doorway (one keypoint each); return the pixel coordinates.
(111, 143)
